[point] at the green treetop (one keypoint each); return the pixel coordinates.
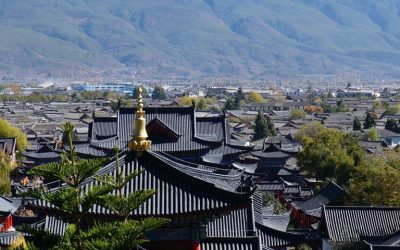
(9, 131)
(264, 127)
(75, 203)
(158, 93)
(356, 124)
(369, 121)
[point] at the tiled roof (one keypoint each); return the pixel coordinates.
(274, 238)
(325, 197)
(178, 119)
(228, 243)
(180, 188)
(103, 128)
(348, 224)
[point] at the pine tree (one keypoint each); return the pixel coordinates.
(232, 103)
(356, 124)
(263, 127)
(369, 121)
(392, 125)
(75, 204)
(271, 131)
(240, 94)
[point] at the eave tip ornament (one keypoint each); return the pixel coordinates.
(139, 142)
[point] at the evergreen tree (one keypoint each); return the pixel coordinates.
(356, 124)
(392, 125)
(232, 103)
(158, 93)
(263, 127)
(75, 203)
(240, 94)
(369, 121)
(271, 127)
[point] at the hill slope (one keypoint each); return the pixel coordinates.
(233, 38)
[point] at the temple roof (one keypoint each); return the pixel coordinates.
(390, 241)
(178, 119)
(275, 238)
(172, 129)
(181, 188)
(102, 128)
(350, 224)
(273, 151)
(45, 155)
(326, 196)
(212, 129)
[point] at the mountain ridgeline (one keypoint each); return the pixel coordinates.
(253, 39)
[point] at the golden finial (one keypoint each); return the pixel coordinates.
(139, 142)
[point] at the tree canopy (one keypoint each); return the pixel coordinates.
(332, 154)
(356, 124)
(369, 121)
(264, 127)
(372, 135)
(232, 103)
(298, 114)
(158, 93)
(74, 203)
(8, 130)
(376, 182)
(255, 97)
(392, 125)
(328, 153)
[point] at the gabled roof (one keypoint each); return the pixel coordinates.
(103, 128)
(391, 241)
(211, 129)
(231, 243)
(157, 129)
(274, 238)
(326, 196)
(178, 119)
(181, 188)
(349, 224)
(277, 221)
(9, 205)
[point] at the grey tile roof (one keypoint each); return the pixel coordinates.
(180, 188)
(326, 196)
(230, 243)
(211, 126)
(8, 237)
(277, 221)
(348, 224)
(102, 128)
(178, 119)
(274, 238)
(9, 205)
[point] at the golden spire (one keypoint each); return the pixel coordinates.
(139, 142)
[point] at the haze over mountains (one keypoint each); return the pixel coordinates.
(252, 39)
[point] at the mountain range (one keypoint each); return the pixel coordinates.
(243, 39)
